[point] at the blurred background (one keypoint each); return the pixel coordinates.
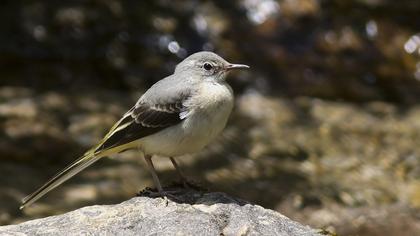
(326, 127)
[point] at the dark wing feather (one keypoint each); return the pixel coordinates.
(142, 120)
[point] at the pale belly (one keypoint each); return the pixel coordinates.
(192, 134)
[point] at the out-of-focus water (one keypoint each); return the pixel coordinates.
(326, 122)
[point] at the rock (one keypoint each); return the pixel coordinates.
(192, 213)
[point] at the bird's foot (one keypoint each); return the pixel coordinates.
(165, 194)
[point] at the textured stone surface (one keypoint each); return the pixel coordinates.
(208, 214)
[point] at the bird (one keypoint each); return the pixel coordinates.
(178, 115)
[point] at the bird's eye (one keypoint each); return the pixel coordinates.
(207, 66)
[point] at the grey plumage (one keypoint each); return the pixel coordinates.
(154, 112)
(178, 115)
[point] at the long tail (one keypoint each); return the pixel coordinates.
(86, 160)
(74, 168)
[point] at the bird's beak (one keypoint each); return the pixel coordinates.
(236, 66)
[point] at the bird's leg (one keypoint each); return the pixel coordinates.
(164, 194)
(152, 170)
(185, 182)
(180, 173)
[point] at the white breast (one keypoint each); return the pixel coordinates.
(208, 112)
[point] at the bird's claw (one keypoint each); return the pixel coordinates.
(166, 195)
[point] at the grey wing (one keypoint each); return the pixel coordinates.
(143, 120)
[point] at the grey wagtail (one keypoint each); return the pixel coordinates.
(178, 115)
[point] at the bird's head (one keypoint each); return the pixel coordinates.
(208, 65)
